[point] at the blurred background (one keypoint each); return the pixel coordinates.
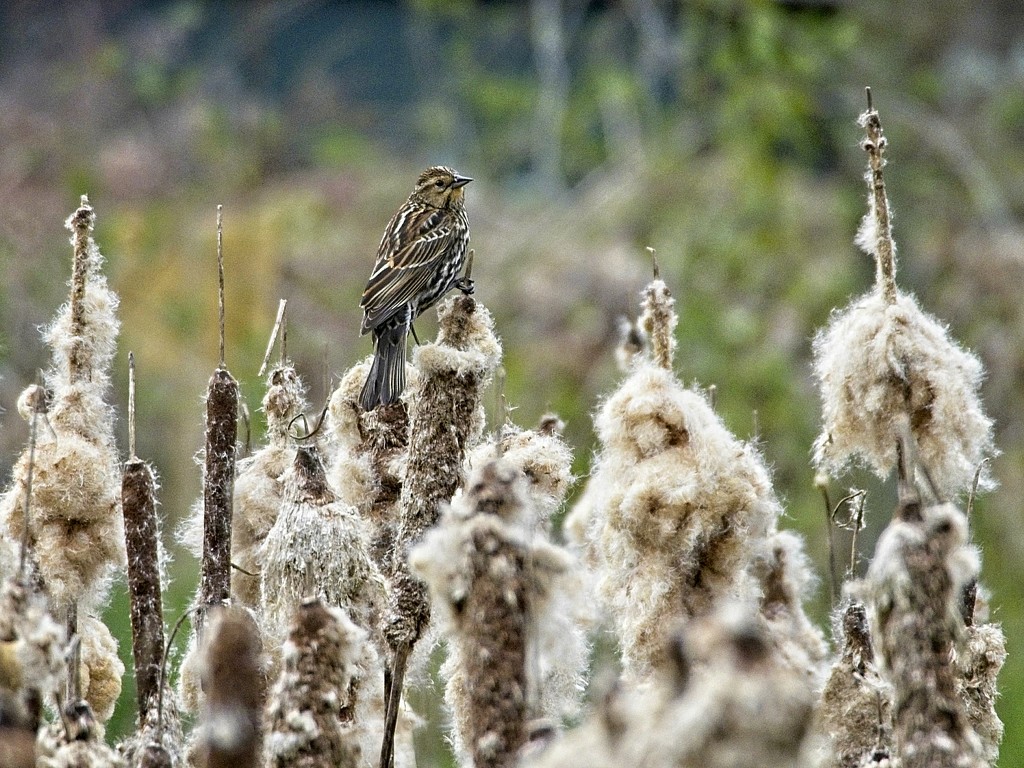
(722, 134)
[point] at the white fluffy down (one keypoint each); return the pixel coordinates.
(881, 366)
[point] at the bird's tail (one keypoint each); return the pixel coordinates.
(386, 381)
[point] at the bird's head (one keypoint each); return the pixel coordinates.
(441, 187)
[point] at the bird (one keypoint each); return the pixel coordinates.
(420, 259)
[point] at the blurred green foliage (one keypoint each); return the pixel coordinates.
(721, 133)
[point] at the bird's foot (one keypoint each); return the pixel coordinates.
(465, 285)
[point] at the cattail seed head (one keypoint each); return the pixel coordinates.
(920, 567)
(318, 547)
(229, 732)
(76, 531)
(309, 715)
(259, 487)
(883, 367)
(679, 510)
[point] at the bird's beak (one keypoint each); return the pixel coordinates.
(460, 181)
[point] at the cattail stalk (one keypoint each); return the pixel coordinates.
(497, 609)
(316, 548)
(677, 510)
(446, 415)
(138, 500)
(218, 487)
(883, 246)
(219, 474)
(259, 490)
(494, 581)
(884, 367)
(81, 225)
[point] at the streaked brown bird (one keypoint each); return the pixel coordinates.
(419, 260)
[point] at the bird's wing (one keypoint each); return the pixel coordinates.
(415, 240)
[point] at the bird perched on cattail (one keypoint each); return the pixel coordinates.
(419, 260)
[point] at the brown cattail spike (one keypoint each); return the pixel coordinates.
(218, 486)
(230, 730)
(138, 500)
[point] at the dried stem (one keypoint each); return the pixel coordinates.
(384, 433)
(969, 512)
(39, 405)
(885, 251)
(495, 655)
(138, 500)
(654, 262)
(131, 405)
(832, 580)
(220, 278)
(917, 575)
(278, 329)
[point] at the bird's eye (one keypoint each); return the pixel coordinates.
(439, 183)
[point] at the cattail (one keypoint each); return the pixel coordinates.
(218, 487)
(142, 541)
(310, 712)
(722, 699)
(977, 661)
(75, 527)
(562, 613)
(676, 509)
(259, 487)
(487, 573)
(884, 366)
(219, 464)
(101, 668)
(318, 547)
(368, 458)
(544, 458)
(216, 516)
(738, 708)
(32, 647)
(75, 741)
(784, 573)
(446, 415)
(921, 564)
(229, 733)
(855, 706)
